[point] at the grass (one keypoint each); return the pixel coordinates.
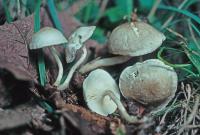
(41, 62)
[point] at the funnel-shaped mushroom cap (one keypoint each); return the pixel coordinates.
(94, 89)
(149, 82)
(134, 39)
(46, 37)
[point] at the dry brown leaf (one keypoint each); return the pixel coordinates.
(14, 55)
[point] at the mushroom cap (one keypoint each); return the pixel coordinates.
(81, 34)
(150, 82)
(94, 88)
(46, 37)
(134, 39)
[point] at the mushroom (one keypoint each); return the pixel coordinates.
(102, 94)
(151, 83)
(49, 37)
(76, 41)
(128, 40)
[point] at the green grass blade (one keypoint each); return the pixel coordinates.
(159, 55)
(54, 15)
(129, 8)
(180, 66)
(41, 63)
(9, 19)
(195, 28)
(181, 11)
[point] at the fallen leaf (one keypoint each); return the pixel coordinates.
(19, 116)
(14, 55)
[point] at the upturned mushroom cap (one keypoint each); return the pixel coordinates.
(46, 37)
(94, 88)
(82, 34)
(76, 40)
(134, 39)
(149, 82)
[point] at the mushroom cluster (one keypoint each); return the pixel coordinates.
(49, 37)
(150, 82)
(128, 40)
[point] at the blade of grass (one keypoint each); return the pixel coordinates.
(173, 14)
(9, 19)
(54, 15)
(195, 28)
(181, 11)
(41, 63)
(87, 12)
(181, 66)
(129, 8)
(172, 65)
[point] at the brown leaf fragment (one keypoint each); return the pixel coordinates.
(98, 124)
(14, 55)
(19, 116)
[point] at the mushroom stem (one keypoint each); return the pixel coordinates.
(60, 66)
(103, 63)
(72, 70)
(123, 112)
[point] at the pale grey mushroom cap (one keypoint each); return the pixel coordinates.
(81, 34)
(46, 37)
(135, 39)
(150, 82)
(94, 89)
(76, 40)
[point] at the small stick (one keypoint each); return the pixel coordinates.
(153, 10)
(191, 116)
(172, 16)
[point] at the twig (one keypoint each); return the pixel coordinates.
(101, 11)
(153, 10)
(191, 116)
(172, 16)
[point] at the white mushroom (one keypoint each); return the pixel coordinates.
(150, 82)
(102, 95)
(48, 37)
(76, 41)
(129, 39)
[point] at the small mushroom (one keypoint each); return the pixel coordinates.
(76, 41)
(128, 40)
(102, 95)
(49, 37)
(151, 83)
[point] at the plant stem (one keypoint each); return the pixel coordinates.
(103, 63)
(60, 66)
(73, 69)
(153, 10)
(123, 112)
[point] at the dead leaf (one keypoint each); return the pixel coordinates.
(19, 116)
(14, 55)
(88, 122)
